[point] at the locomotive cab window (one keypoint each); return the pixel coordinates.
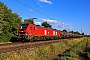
(23, 26)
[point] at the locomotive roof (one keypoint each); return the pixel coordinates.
(39, 26)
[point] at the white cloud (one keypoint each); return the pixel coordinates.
(31, 10)
(49, 21)
(39, 4)
(46, 1)
(57, 23)
(69, 27)
(37, 23)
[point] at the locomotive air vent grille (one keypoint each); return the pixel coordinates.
(22, 32)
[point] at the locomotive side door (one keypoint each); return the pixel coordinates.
(32, 30)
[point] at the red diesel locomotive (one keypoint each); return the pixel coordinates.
(32, 32)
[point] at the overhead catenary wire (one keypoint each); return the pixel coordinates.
(33, 9)
(14, 11)
(21, 13)
(36, 5)
(33, 3)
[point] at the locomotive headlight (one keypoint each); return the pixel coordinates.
(26, 34)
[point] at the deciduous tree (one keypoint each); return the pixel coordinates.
(45, 24)
(9, 23)
(26, 21)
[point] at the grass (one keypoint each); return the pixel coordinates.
(73, 53)
(88, 47)
(42, 52)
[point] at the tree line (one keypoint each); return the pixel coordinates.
(10, 22)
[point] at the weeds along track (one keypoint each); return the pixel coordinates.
(74, 52)
(17, 46)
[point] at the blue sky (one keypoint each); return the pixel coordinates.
(61, 14)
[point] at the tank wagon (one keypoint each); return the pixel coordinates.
(70, 35)
(32, 32)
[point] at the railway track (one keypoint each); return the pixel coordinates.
(17, 46)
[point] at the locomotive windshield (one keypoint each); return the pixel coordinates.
(24, 26)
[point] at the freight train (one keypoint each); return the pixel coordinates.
(32, 32)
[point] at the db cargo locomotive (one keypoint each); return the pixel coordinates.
(32, 32)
